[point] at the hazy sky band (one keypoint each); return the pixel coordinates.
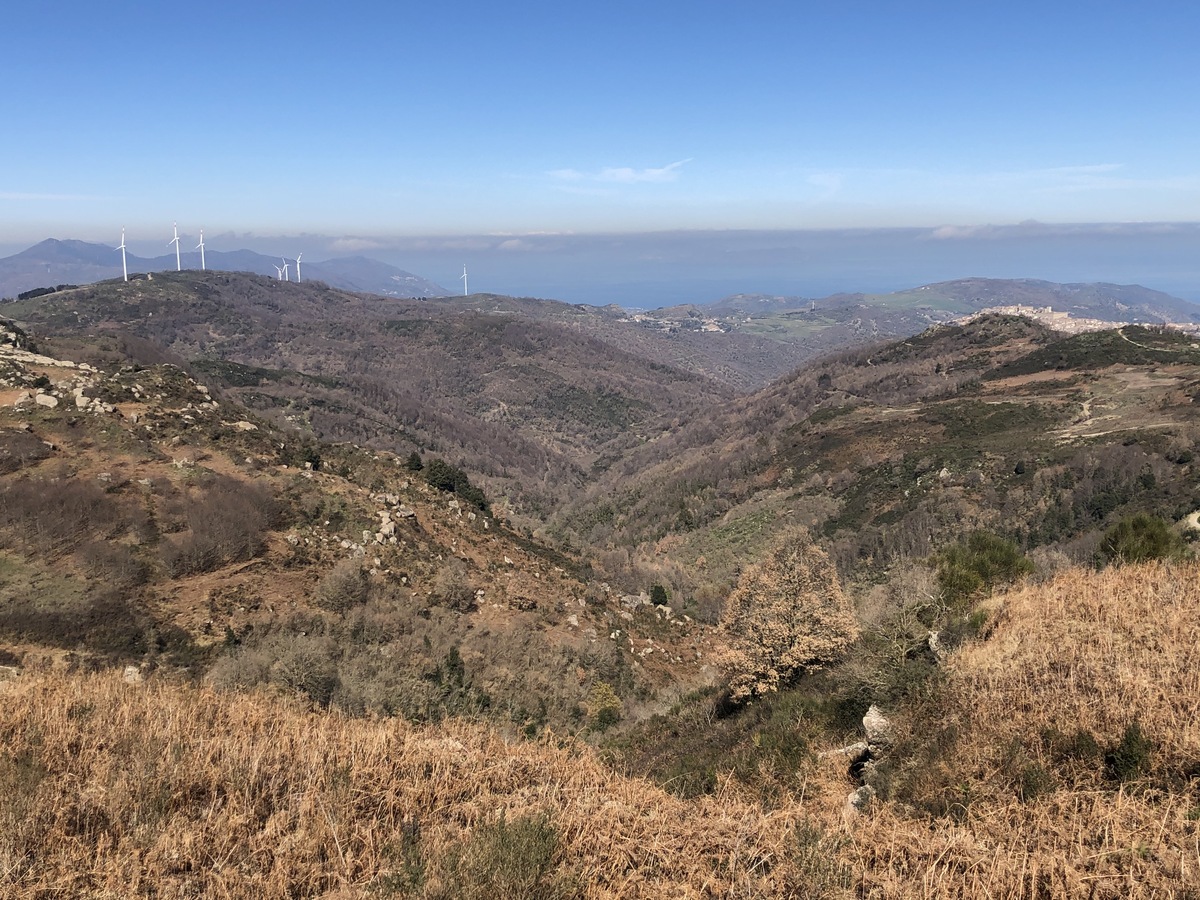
(396, 119)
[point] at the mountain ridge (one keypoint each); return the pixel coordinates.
(54, 261)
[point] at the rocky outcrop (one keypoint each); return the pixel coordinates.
(863, 757)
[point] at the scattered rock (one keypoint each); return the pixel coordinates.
(878, 728)
(133, 675)
(633, 601)
(860, 800)
(46, 400)
(936, 647)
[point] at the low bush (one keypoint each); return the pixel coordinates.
(516, 858)
(973, 567)
(451, 588)
(343, 587)
(453, 480)
(1140, 538)
(226, 521)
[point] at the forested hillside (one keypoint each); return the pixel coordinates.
(310, 594)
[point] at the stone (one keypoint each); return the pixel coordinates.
(936, 647)
(878, 727)
(860, 800)
(132, 675)
(245, 426)
(46, 400)
(404, 512)
(633, 601)
(82, 402)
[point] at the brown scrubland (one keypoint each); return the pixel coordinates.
(1056, 756)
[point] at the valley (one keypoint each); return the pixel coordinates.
(478, 589)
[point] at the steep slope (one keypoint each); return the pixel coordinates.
(1015, 776)
(142, 520)
(895, 450)
(528, 404)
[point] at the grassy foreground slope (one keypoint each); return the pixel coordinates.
(1015, 776)
(1061, 758)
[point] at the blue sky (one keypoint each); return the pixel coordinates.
(374, 122)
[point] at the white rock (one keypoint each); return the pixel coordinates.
(132, 675)
(860, 800)
(877, 727)
(46, 400)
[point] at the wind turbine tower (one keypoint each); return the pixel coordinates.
(298, 255)
(285, 269)
(124, 267)
(280, 271)
(464, 278)
(200, 247)
(175, 241)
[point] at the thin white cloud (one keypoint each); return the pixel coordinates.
(354, 245)
(624, 174)
(1034, 228)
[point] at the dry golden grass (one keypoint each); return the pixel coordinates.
(115, 790)
(1095, 651)
(1092, 651)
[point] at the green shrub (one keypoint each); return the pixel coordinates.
(1140, 538)
(1129, 758)
(453, 480)
(604, 706)
(504, 859)
(973, 567)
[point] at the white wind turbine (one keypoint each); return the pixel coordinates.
(279, 269)
(464, 280)
(175, 241)
(124, 267)
(285, 269)
(298, 255)
(200, 247)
